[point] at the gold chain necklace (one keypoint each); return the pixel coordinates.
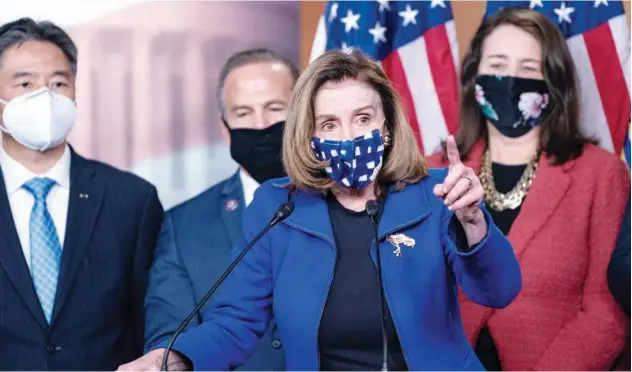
(511, 200)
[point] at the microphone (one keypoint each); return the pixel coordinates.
(373, 211)
(283, 212)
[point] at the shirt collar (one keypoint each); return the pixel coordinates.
(16, 174)
(249, 184)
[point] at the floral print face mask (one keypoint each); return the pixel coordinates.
(513, 105)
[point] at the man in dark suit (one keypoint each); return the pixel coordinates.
(197, 236)
(619, 267)
(77, 235)
(619, 281)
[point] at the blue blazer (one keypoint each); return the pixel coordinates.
(193, 250)
(97, 321)
(289, 271)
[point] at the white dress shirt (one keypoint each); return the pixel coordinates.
(249, 184)
(21, 201)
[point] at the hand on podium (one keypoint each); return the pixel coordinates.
(152, 362)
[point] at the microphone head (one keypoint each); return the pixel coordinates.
(285, 210)
(372, 207)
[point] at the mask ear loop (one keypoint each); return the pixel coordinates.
(2, 127)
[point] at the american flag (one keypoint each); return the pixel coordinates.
(598, 37)
(415, 42)
(627, 148)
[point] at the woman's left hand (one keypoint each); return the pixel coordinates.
(462, 192)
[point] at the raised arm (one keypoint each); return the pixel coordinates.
(483, 260)
(488, 272)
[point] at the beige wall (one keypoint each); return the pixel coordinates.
(467, 16)
(146, 89)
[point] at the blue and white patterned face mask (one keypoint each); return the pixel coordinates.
(353, 163)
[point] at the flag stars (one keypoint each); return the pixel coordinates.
(534, 3)
(435, 3)
(333, 12)
(383, 5)
(350, 21)
(409, 15)
(346, 48)
(601, 2)
(378, 33)
(564, 13)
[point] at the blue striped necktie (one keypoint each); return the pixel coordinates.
(45, 247)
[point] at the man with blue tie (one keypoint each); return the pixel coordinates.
(197, 236)
(77, 236)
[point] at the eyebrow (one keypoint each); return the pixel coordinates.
(21, 74)
(325, 116)
(240, 107)
(64, 73)
(359, 109)
(355, 112)
(531, 60)
(505, 57)
(276, 102)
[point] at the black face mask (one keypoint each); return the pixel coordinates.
(259, 151)
(513, 105)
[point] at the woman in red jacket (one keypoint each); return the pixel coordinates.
(557, 196)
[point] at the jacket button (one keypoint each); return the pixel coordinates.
(53, 348)
(276, 344)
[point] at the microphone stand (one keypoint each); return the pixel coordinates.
(282, 213)
(373, 211)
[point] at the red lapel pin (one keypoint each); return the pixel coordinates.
(231, 205)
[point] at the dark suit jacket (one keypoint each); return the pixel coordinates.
(193, 250)
(619, 268)
(97, 321)
(619, 281)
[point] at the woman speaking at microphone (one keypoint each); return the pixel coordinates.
(341, 301)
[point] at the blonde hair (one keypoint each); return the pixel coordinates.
(402, 164)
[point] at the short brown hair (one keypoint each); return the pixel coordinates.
(560, 136)
(248, 57)
(402, 162)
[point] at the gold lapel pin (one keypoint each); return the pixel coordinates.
(400, 239)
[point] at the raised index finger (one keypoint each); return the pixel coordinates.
(452, 151)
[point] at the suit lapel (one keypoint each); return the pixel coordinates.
(233, 205)
(311, 215)
(401, 209)
(547, 190)
(86, 195)
(13, 261)
(404, 208)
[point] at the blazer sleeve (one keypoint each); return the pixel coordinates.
(594, 338)
(619, 267)
(489, 273)
(239, 315)
(170, 296)
(143, 255)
